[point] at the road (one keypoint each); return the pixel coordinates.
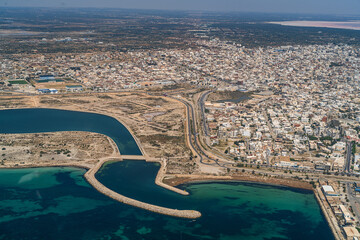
(276, 171)
(191, 126)
(202, 155)
(273, 135)
(354, 201)
(202, 109)
(348, 156)
(192, 134)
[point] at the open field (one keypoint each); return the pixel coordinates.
(59, 84)
(229, 96)
(18, 82)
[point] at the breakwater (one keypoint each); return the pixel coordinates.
(90, 177)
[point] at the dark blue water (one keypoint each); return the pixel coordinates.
(231, 210)
(35, 120)
(57, 203)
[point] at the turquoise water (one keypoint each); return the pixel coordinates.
(64, 206)
(36, 120)
(57, 203)
(230, 210)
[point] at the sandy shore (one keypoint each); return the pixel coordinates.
(176, 180)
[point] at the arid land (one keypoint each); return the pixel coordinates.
(156, 121)
(54, 149)
(242, 177)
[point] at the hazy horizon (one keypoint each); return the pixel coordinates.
(345, 7)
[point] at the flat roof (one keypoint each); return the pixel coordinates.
(351, 232)
(328, 188)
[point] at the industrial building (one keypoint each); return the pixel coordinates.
(46, 77)
(329, 190)
(74, 88)
(46, 90)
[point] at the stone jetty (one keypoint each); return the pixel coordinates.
(90, 177)
(160, 177)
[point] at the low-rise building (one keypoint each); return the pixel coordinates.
(349, 219)
(351, 233)
(74, 88)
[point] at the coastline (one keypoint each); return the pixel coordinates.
(286, 183)
(163, 180)
(72, 109)
(171, 181)
(91, 179)
(81, 166)
(176, 180)
(333, 226)
(245, 182)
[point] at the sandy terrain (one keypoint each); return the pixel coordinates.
(157, 122)
(65, 148)
(247, 177)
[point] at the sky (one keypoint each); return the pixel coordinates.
(276, 6)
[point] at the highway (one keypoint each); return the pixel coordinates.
(193, 138)
(191, 120)
(202, 109)
(276, 171)
(348, 156)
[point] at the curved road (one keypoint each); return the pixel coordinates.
(191, 128)
(202, 109)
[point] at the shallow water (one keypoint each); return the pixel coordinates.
(57, 203)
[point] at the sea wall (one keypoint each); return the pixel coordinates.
(328, 214)
(90, 177)
(159, 180)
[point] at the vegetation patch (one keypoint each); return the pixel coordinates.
(18, 82)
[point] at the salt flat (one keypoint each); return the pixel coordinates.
(353, 25)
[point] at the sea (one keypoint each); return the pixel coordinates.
(58, 203)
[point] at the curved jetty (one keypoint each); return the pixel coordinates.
(160, 177)
(90, 177)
